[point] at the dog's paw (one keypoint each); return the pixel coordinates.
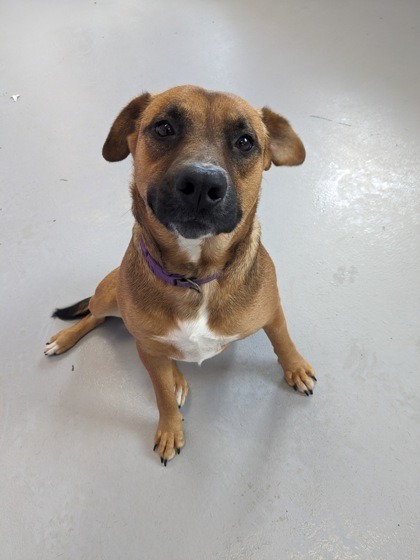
(52, 347)
(180, 387)
(169, 440)
(60, 343)
(301, 376)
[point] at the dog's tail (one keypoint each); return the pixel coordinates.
(79, 309)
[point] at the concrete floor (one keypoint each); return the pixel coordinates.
(266, 474)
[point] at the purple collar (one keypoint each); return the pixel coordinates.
(173, 279)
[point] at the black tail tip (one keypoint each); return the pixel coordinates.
(79, 309)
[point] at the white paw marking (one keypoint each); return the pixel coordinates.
(51, 348)
(179, 397)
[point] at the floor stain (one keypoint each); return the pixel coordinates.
(345, 275)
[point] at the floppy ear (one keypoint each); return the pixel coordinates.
(284, 145)
(116, 147)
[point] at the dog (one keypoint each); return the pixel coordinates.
(195, 276)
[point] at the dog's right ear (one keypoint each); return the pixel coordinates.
(117, 147)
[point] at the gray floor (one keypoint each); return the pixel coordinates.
(266, 474)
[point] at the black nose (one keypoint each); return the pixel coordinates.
(201, 186)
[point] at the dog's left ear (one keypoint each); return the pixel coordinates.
(120, 141)
(284, 147)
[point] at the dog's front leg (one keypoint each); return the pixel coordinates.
(169, 438)
(298, 373)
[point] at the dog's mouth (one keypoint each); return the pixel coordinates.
(192, 229)
(199, 201)
(188, 227)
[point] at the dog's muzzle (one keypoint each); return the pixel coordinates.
(198, 200)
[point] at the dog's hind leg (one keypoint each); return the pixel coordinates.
(67, 338)
(94, 311)
(180, 385)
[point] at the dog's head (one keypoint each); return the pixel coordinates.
(199, 156)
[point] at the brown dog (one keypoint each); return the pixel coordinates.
(195, 276)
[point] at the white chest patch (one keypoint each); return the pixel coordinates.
(191, 246)
(195, 340)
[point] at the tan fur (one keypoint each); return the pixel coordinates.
(243, 299)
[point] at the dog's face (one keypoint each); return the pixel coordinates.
(199, 156)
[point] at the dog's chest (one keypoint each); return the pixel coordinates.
(195, 341)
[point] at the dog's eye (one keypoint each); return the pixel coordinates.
(244, 143)
(163, 128)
